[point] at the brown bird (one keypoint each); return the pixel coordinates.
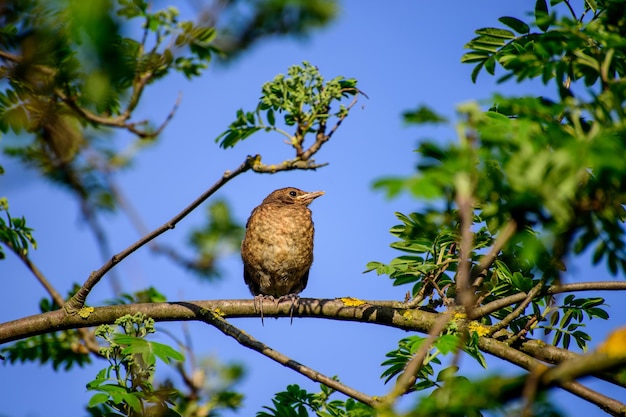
(277, 250)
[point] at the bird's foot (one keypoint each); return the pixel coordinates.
(294, 298)
(258, 303)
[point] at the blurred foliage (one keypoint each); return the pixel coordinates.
(244, 22)
(458, 396)
(445, 344)
(220, 236)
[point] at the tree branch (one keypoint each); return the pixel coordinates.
(465, 294)
(321, 137)
(54, 294)
(250, 342)
(514, 356)
(485, 262)
(518, 311)
(335, 309)
(88, 338)
(554, 289)
(78, 300)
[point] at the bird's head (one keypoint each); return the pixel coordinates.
(291, 195)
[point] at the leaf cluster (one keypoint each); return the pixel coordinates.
(304, 99)
(297, 402)
(568, 319)
(125, 387)
(14, 232)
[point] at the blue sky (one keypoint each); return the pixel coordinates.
(403, 56)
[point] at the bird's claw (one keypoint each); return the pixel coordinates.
(258, 303)
(294, 298)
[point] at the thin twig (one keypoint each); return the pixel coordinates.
(554, 289)
(322, 137)
(56, 296)
(78, 300)
(503, 237)
(10, 57)
(518, 311)
(407, 379)
(250, 342)
(102, 240)
(87, 337)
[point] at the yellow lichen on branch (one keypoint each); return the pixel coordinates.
(351, 302)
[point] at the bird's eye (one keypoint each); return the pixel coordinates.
(293, 193)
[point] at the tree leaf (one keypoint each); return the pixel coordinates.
(541, 15)
(496, 33)
(514, 23)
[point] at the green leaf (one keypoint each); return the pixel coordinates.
(514, 23)
(271, 119)
(490, 65)
(423, 115)
(165, 352)
(496, 33)
(447, 373)
(392, 186)
(97, 399)
(541, 15)
(475, 56)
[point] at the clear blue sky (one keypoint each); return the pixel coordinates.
(403, 55)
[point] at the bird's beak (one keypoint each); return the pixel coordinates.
(309, 197)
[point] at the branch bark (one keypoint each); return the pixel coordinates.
(335, 309)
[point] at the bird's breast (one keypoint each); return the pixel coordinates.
(279, 240)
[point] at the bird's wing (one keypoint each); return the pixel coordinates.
(252, 283)
(304, 280)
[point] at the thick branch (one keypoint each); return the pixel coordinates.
(335, 309)
(556, 376)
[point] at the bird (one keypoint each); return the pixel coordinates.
(277, 249)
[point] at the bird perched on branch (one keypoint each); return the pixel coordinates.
(277, 249)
